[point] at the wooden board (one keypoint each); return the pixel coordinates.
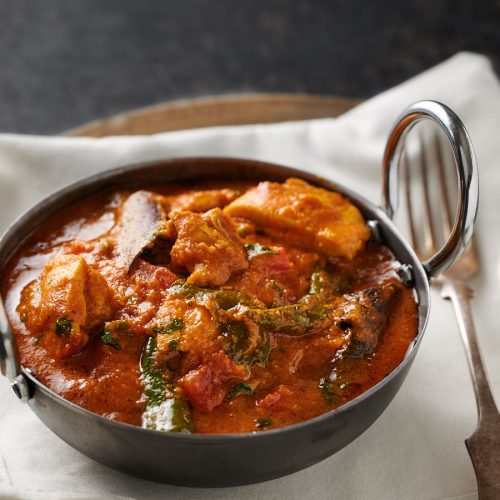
(233, 109)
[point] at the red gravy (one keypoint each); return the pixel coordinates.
(236, 367)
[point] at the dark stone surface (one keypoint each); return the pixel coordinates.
(65, 62)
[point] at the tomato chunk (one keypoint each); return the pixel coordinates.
(207, 386)
(150, 276)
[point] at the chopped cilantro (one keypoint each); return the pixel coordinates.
(280, 291)
(317, 283)
(237, 388)
(256, 249)
(332, 392)
(329, 393)
(175, 325)
(63, 326)
(263, 422)
(113, 342)
(172, 344)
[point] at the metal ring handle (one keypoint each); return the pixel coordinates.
(9, 359)
(465, 162)
(9, 365)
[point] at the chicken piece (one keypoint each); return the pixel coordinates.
(206, 386)
(98, 299)
(142, 220)
(364, 314)
(184, 328)
(201, 201)
(67, 302)
(306, 216)
(208, 247)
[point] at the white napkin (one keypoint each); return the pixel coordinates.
(416, 449)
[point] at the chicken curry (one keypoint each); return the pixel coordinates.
(216, 308)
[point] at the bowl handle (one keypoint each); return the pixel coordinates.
(467, 176)
(9, 359)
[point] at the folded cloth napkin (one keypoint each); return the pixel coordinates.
(416, 448)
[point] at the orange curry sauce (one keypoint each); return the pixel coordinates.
(275, 377)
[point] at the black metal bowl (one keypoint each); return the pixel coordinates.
(232, 459)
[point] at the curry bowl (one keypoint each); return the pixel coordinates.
(243, 458)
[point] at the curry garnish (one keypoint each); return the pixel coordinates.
(333, 392)
(114, 331)
(63, 326)
(256, 250)
(108, 339)
(175, 325)
(172, 344)
(330, 392)
(240, 388)
(261, 423)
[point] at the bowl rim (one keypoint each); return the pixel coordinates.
(101, 178)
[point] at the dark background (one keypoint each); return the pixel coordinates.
(65, 62)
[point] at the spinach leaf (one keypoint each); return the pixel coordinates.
(236, 335)
(295, 319)
(154, 384)
(172, 415)
(165, 411)
(225, 298)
